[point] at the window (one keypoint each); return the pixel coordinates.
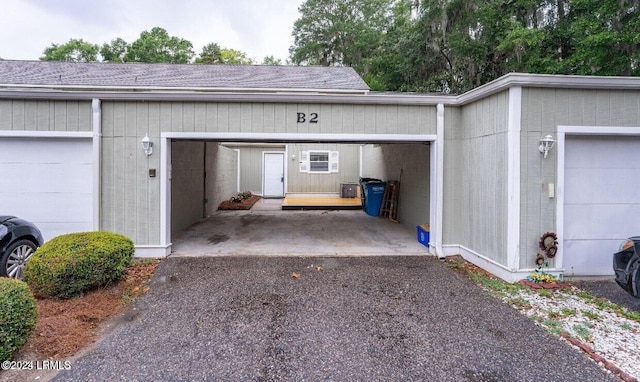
(319, 161)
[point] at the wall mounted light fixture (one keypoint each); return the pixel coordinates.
(546, 144)
(147, 145)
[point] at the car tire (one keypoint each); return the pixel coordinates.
(14, 259)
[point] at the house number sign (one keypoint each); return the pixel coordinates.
(312, 117)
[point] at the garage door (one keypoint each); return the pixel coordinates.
(49, 182)
(602, 201)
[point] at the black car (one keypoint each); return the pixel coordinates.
(626, 265)
(18, 241)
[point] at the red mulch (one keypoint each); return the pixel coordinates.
(245, 204)
(65, 327)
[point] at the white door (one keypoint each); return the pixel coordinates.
(273, 175)
(601, 201)
(48, 182)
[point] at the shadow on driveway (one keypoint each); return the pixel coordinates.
(342, 319)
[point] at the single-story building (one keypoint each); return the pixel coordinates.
(474, 166)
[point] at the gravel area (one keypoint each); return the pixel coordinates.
(591, 321)
(309, 319)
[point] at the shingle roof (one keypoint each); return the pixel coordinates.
(127, 75)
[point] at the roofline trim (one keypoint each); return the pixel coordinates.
(363, 99)
(319, 96)
(549, 81)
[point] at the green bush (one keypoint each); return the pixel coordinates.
(18, 315)
(71, 264)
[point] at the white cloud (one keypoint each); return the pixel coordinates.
(258, 28)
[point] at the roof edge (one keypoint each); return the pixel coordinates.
(549, 81)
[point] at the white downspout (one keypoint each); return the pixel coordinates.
(96, 114)
(439, 178)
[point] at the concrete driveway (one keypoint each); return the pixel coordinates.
(382, 318)
(271, 231)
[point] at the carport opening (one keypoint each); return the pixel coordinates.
(206, 172)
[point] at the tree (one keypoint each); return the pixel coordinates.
(271, 60)
(115, 51)
(340, 32)
(211, 54)
(234, 57)
(76, 50)
(157, 46)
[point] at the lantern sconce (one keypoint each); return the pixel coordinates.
(546, 144)
(147, 145)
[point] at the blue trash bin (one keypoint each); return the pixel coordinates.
(373, 195)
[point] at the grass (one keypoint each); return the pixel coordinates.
(554, 327)
(590, 314)
(568, 312)
(582, 331)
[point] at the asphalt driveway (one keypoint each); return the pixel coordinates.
(342, 319)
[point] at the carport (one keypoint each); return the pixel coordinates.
(273, 231)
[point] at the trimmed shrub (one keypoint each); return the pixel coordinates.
(71, 264)
(18, 315)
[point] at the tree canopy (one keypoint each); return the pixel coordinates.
(76, 50)
(152, 46)
(456, 45)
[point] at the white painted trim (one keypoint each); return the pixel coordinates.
(45, 134)
(492, 266)
(165, 193)
(238, 175)
(563, 131)
(436, 183)
(598, 130)
(513, 177)
(560, 145)
(294, 137)
(286, 169)
(172, 89)
(97, 153)
(152, 251)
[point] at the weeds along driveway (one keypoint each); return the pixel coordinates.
(325, 318)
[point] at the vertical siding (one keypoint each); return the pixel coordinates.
(543, 110)
(222, 180)
(29, 115)
(251, 166)
(130, 199)
(349, 168)
(475, 185)
(187, 183)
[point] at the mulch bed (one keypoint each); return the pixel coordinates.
(245, 204)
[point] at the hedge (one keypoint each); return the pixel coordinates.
(71, 264)
(18, 316)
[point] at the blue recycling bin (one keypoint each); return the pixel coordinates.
(373, 195)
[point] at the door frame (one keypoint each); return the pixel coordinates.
(284, 172)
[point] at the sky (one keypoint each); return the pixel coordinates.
(257, 27)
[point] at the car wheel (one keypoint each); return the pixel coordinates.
(17, 254)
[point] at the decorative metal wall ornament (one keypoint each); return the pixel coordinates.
(547, 240)
(551, 251)
(549, 243)
(540, 259)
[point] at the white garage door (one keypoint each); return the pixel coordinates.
(48, 182)
(602, 201)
